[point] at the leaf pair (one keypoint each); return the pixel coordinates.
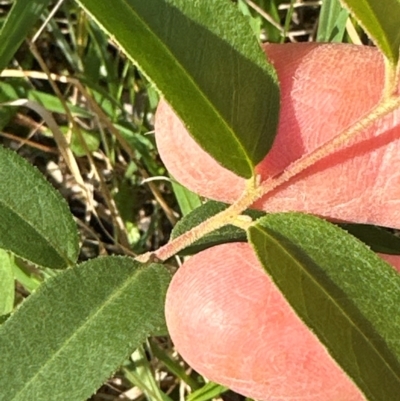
(80, 324)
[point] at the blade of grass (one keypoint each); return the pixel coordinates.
(173, 366)
(332, 22)
(209, 391)
(143, 377)
(20, 20)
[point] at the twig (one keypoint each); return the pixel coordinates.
(256, 190)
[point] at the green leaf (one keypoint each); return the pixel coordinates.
(254, 22)
(209, 391)
(25, 276)
(187, 200)
(20, 20)
(6, 283)
(7, 92)
(78, 327)
(228, 233)
(331, 22)
(91, 139)
(35, 222)
(53, 103)
(206, 61)
(17, 88)
(379, 239)
(380, 19)
(345, 293)
(173, 365)
(142, 376)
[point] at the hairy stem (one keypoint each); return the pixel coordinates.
(391, 79)
(221, 219)
(256, 190)
(338, 142)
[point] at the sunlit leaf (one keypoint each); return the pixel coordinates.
(78, 327)
(209, 391)
(35, 222)
(28, 279)
(380, 19)
(196, 53)
(344, 292)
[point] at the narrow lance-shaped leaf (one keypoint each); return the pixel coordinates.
(206, 61)
(347, 295)
(78, 328)
(380, 19)
(20, 20)
(35, 222)
(18, 89)
(142, 377)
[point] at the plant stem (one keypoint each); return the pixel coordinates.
(255, 190)
(221, 219)
(338, 142)
(391, 79)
